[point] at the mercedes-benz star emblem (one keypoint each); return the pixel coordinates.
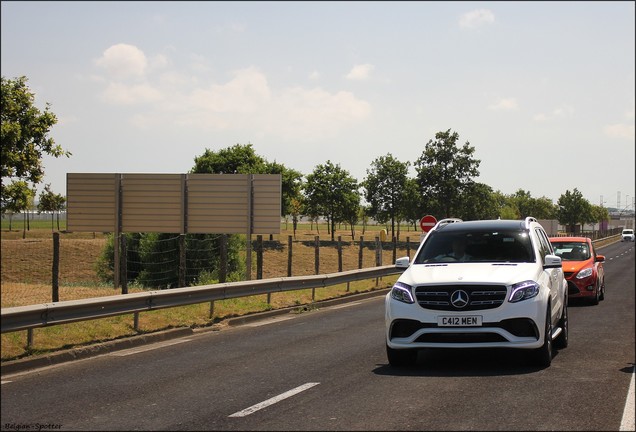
(459, 299)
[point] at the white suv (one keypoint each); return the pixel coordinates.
(479, 284)
(627, 235)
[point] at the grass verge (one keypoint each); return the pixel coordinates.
(65, 336)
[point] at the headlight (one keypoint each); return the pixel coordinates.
(523, 291)
(584, 273)
(402, 292)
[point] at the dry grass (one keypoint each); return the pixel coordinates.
(26, 274)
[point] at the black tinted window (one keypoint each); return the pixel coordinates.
(479, 246)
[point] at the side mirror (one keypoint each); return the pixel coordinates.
(552, 261)
(402, 262)
(600, 258)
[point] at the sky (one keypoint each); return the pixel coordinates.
(544, 91)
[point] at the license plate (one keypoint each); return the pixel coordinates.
(459, 321)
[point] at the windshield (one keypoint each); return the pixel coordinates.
(628, 231)
(571, 251)
(476, 246)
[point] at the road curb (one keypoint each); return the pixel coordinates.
(93, 350)
(35, 362)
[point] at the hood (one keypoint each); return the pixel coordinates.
(490, 273)
(575, 266)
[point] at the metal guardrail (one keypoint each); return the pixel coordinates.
(606, 240)
(47, 314)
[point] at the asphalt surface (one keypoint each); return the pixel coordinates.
(83, 352)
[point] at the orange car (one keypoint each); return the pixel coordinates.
(582, 267)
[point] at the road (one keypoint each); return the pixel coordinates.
(326, 370)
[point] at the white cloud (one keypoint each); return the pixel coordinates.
(123, 61)
(620, 130)
(122, 94)
(476, 18)
(314, 75)
(506, 104)
(558, 112)
(307, 114)
(248, 91)
(360, 72)
(245, 102)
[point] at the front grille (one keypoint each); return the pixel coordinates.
(520, 327)
(466, 338)
(568, 274)
(480, 297)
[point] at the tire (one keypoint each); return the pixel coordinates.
(401, 357)
(543, 356)
(597, 294)
(562, 340)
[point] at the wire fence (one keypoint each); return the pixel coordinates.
(36, 270)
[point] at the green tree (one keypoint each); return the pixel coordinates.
(573, 209)
(291, 185)
(237, 159)
(296, 207)
(51, 202)
(540, 208)
(24, 135)
(385, 188)
(331, 192)
(411, 208)
(599, 214)
(478, 202)
(17, 200)
(445, 171)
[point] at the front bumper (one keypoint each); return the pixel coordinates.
(581, 288)
(512, 325)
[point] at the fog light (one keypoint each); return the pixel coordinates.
(590, 288)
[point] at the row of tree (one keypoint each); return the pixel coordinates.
(444, 184)
(444, 187)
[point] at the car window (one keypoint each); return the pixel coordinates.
(477, 246)
(545, 247)
(572, 251)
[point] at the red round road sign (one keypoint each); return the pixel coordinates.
(427, 223)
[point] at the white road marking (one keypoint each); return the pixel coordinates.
(268, 321)
(132, 351)
(627, 423)
(272, 401)
(345, 305)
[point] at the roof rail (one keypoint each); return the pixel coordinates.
(446, 221)
(530, 219)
